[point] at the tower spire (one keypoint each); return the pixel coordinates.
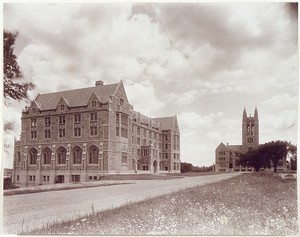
(244, 114)
(255, 113)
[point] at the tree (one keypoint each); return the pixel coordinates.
(14, 86)
(186, 167)
(265, 154)
(254, 158)
(275, 151)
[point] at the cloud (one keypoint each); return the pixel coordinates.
(201, 61)
(143, 98)
(281, 102)
(214, 136)
(184, 98)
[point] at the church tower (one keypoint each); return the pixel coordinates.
(250, 131)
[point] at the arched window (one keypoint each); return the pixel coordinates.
(47, 156)
(33, 156)
(93, 155)
(61, 155)
(77, 155)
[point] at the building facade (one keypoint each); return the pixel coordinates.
(80, 135)
(227, 157)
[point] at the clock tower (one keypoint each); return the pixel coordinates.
(250, 131)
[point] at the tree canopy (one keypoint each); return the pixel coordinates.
(14, 86)
(267, 154)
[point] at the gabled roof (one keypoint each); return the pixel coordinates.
(235, 147)
(77, 97)
(165, 123)
(221, 147)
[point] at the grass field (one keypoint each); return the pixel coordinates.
(250, 204)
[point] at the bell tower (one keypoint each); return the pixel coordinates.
(250, 131)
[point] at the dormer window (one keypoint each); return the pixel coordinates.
(121, 101)
(94, 103)
(62, 107)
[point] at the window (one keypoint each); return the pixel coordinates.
(138, 141)
(121, 101)
(77, 155)
(77, 132)
(221, 158)
(62, 119)
(62, 132)
(61, 156)
(94, 103)
(124, 132)
(93, 130)
(93, 155)
(75, 178)
(144, 133)
(33, 122)
(139, 131)
(62, 107)
(93, 116)
(47, 121)
(46, 178)
(145, 167)
(124, 158)
(117, 124)
(33, 135)
(124, 125)
(174, 166)
(222, 153)
(166, 146)
(47, 156)
(166, 168)
(33, 156)
(19, 156)
(18, 177)
(77, 118)
(47, 133)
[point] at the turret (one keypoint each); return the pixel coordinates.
(256, 114)
(244, 115)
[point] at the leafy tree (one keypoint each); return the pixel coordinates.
(265, 154)
(275, 151)
(186, 167)
(254, 158)
(14, 87)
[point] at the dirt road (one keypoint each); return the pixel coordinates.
(30, 211)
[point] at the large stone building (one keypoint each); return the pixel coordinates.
(227, 157)
(80, 135)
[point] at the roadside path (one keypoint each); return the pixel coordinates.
(30, 211)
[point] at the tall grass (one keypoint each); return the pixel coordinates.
(250, 204)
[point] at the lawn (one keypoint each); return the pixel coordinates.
(250, 204)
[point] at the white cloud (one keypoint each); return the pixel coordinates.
(214, 136)
(143, 98)
(203, 62)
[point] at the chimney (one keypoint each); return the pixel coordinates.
(99, 83)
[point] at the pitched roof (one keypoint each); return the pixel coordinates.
(235, 147)
(77, 97)
(221, 147)
(165, 122)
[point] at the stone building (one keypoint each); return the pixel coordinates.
(82, 134)
(227, 157)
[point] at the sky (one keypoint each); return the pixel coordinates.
(204, 62)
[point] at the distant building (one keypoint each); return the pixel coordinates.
(227, 157)
(80, 135)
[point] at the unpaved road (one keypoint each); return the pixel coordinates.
(30, 211)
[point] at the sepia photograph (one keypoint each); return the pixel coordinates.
(157, 118)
